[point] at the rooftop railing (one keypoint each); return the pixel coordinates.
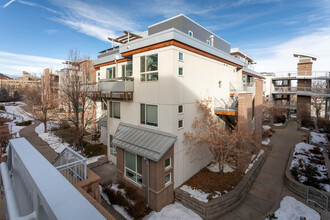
(237, 87)
(226, 104)
(308, 91)
(125, 84)
(302, 75)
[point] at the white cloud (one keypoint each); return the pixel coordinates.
(8, 3)
(280, 57)
(12, 63)
(96, 21)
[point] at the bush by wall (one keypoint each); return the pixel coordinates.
(24, 123)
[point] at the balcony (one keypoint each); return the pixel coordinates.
(302, 91)
(117, 89)
(226, 106)
(235, 88)
(317, 75)
(113, 89)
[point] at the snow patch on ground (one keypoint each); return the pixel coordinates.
(174, 211)
(52, 140)
(303, 128)
(266, 127)
(278, 124)
(199, 194)
(318, 138)
(251, 164)
(118, 208)
(94, 159)
(265, 141)
(214, 167)
(21, 115)
(302, 157)
(292, 209)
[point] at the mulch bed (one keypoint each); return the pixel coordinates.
(209, 182)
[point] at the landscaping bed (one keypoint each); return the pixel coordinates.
(319, 139)
(206, 185)
(308, 166)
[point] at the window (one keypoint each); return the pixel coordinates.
(180, 71)
(88, 124)
(180, 109)
(167, 178)
(115, 110)
(149, 67)
(180, 56)
(180, 123)
(113, 150)
(127, 69)
(133, 167)
(190, 33)
(111, 73)
(167, 162)
(88, 104)
(253, 101)
(149, 114)
(208, 42)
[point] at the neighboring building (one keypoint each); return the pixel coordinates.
(26, 81)
(50, 85)
(151, 84)
(295, 89)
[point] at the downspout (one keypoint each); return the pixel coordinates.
(147, 175)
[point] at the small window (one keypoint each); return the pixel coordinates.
(190, 33)
(180, 123)
(208, 42)
(180, 71)
(113, 150)
(180, 109)
(167, 162)
(98, 73)
(167, 178)
(115, 110)
(180, 56)
(111, 73)
(127, 70)
(149, 114)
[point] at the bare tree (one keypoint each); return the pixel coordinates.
(232, 147)
(318, 102)
(41, 104)
(76, 89)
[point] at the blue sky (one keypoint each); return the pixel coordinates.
(36, 34)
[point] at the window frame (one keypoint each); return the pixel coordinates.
(112, 149)
(124, 69)
(190, 33)
(180, 67)
(144, 74)
(113, 69)
(145, 114)
(170, 180)
(135, 172)
(169, 166)
(182, 109)
(179, 56)
(182, 123)
(111, 115)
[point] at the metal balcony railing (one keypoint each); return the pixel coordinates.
(125, 84)
(226, 104)
(34, 189)
(72, 165)
(302, 75)
(306, 91)
(241, 87)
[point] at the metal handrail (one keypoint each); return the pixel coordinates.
(310, 200)
(128, 78)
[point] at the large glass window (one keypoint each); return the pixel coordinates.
(113, 150)
(111, 73)
(115, 110)
(127, 69)
(133, 167)
(149, 114)
(149, 67)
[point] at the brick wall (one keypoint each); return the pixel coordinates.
(244, 109)
(305, 69)
(258, 109)
(159, 194)
(304, 102)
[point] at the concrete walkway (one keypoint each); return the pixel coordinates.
(30, 135)
(268, 188)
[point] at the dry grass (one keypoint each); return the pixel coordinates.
(209, 182)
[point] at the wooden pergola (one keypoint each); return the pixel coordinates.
(127, 37)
